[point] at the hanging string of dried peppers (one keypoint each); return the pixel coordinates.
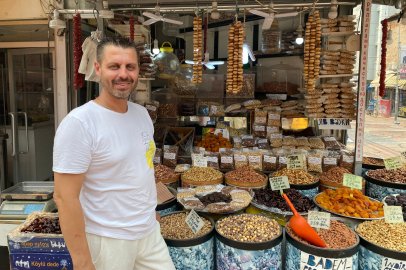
(383, 58)
(77, 52)
(132, 27)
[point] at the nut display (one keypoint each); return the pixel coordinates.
(44, 225)
(248, 228)
(185, 193)
(215, 197)
(234, 70)
(163, 172)
(245, 174)
(255, 160)
(226, 158)
(298, 177)
(386, 235)
(192, 203)
(271, 198)
(197, 50)
(220, 207)
(314, 163)
(312, 51)
(170, 156)
(394, 176)
(339, 236)
(334, 175)
(202, 174)
(372, 161)
(397, 200)
(350, 203)
(269, 161)
(175, 227)
(167, 110)
(316, 143)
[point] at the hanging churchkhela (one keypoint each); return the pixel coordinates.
(234, 71)
(77, 52)
(197, 50)
(312, 51)
(132, 27)
(383, 58)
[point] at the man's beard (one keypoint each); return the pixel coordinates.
(109, 87)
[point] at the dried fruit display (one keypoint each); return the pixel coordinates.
(132, 27)
(350, 203)
(271, 198)
(312, 50)
(212, 143)
(197, 50)
(44, 225)
(234, 71)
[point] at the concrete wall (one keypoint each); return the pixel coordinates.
(21, 10)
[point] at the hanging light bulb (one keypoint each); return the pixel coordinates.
(299, 39)
(155, 50)
(247, 53)
(106, 13)
(333, 10)
(389, 39)
(57, 23)
(214, 13)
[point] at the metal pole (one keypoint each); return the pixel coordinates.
(397, 82)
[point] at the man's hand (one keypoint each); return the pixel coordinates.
(158, 217)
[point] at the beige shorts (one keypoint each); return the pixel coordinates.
(149, 252)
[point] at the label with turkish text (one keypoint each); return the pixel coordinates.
(352, 181)
(279, 183)
(226, 160)
(295, 162)
(200, 162)
(393, 163)
(194, 222)
(169, 156)
(319, 220)
(313, 262)
(393, 214)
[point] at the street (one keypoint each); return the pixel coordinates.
(383, 138)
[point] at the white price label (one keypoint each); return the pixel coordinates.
(254, 159)
(283, 160)
(393, 214)
(348, 159)
(240, 158)
(260, 120)
(313, 262)
(271, 129)
(330, 161)
(274, 116)
(237, 140)
(314, 160)
(276, 136)
(329, 139)
(200, 161)
(194, 222)
(262, 141)
(169, 156)
(157, 160)
(279, 183)
(226, 160)
(259, 128)
(213, 159)
(270, 159)
(319, 220)
(150, 108)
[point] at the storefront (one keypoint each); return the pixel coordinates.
(275, 103)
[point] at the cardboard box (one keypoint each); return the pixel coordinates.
(19, 242)
(40, 261)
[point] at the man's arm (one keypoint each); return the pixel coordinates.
(66, 196)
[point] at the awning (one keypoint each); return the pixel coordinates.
(375, 82)
(391, 83)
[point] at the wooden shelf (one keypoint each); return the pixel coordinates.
(340, 34)
(337, 76)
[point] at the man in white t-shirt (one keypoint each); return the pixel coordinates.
(104, 175)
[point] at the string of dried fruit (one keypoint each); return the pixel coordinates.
(311, 65)
(234, 71)
(197, 50)
(77, 51)
(132, 27)
(383, 58)
(205, 38)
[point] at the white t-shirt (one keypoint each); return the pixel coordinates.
(115, 151)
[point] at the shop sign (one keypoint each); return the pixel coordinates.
(392, 264)
(295, 162)
(352, 181)
(279, 183)
(393, 214)
(319, 220)
(194, 222)
(334, 123)
(313, 262)
(393, 163)
(362, 79)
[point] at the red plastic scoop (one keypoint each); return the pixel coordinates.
(300, 226)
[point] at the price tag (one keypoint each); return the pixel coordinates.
(393, 163)
(270, 159)
(393, 214)
(240, 158)
(271, 129)
(319, 220)
(200, 161)
(295, 162)
(213, 159)
(157, 160)
(169, 156)
(260, 120)
(259, 128)
(194, 222)
(150, 107)
(352, 181)
(330, 161)
(279, 183)
(283, 160)
(226, 160)
(254, 159)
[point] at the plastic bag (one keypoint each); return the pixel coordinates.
(269, 160)
(274, 118)
(314, 161)
(180, 168)
(260, 117)
(226, 158)
(170, 155)
(302, 141)
(240, 157)
(192, 203)
(152, 109)
(289, 140)
(237, 142)
(213, 160)
(255, 160)
(216, 110)
(275, 140)
(185, 193)
(157, 156)
(248, 140)
(259, 131)
(271, 130)
(263, 143)
(347, 160)
(330, 142)
(197, 152)
(220, 207)
(233, 107)
(282, 159)
(330, 160)
(316, 143)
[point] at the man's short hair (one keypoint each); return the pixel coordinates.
(118, 41)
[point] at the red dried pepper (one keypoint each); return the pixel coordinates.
(383, 58)
(132, 27)
(77, 52)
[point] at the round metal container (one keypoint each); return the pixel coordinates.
(379, 189)
(169, 206)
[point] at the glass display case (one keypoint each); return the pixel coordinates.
(281, 79)
(168, 102)
(248, 87)
(271, 39)
(212, 86)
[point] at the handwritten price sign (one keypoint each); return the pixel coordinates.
(393, 214)
(319, 220)
(295, 162)
(194, 222)
(393, 163)
(352, 181)
(279, 183)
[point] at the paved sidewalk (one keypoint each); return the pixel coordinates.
(383, 138)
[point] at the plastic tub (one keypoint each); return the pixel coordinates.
(372, 256)
(169, 206)
(367, 167)
(308, 190)
(186, 183)
(303, 256)
(379, 189)
(264, 255)
(195, 253)
(334, 186)
(247, 186)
